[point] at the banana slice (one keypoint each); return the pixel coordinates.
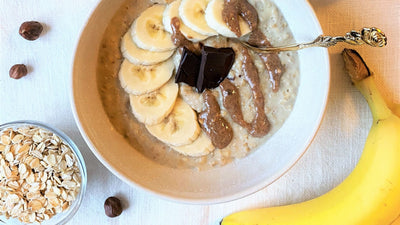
(201, 146)
(171, 11)
(153, 107)
(148, 31)
(192, 14)
(214, 19)
(179, 128)
(139, 79)
(140, 56)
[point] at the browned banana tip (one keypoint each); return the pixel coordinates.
(355, 65)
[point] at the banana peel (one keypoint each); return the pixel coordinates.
(370, 195)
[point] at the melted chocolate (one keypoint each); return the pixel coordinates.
(213, 124)
(233, 9)
(272, 62)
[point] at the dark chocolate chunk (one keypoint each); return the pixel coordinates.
(188, 69)
(214, 67)
(207, 70)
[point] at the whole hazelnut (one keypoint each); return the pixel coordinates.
(30, 30)
(112, 207)
(17, 71)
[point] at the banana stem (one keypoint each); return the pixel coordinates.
(363, 80)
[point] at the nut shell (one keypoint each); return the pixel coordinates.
(30, 30)
(112, 207)
(18, 71)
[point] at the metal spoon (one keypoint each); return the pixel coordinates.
(371, 36)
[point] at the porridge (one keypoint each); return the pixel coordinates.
(178, 85)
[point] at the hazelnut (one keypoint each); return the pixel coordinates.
(112, 207)
(30, 30)
(17, 71)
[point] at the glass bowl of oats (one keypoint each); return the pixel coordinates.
(42, 174)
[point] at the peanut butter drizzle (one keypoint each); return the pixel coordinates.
(271, 61)
(260, 125)
(212, 122)
(179, 39)
(233, 9)
(231, 101)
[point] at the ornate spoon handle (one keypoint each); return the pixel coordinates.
(371, 36)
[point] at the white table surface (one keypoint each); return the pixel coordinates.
(43, 95)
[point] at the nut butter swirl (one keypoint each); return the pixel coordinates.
(272, 62)
(179, 39)
(260, 125)
(231, 101)
(212, 122)
(233, 9)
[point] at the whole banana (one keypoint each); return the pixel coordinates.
(370, 195)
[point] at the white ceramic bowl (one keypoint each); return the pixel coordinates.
(229, 182)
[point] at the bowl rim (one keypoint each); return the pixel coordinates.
(225, 198)
(70, 213)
